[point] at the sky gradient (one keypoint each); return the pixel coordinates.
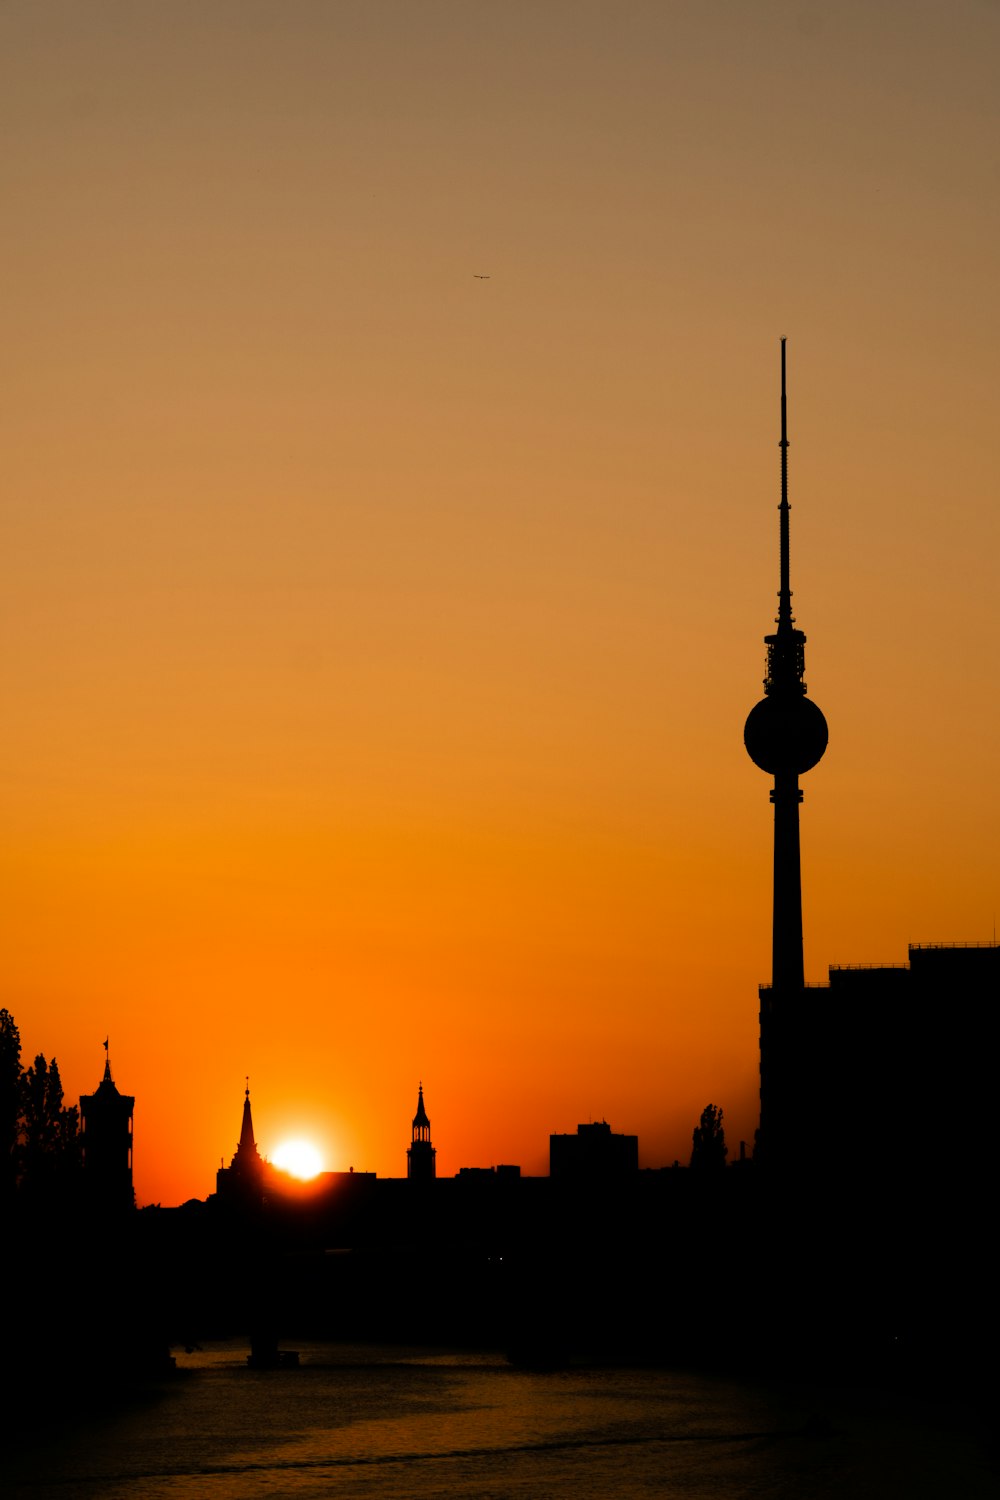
(377, 639)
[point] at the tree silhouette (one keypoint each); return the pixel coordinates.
(49, 1132)
(708, 1148)
(10, 1102)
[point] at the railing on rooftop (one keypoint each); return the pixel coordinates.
(921, 947)
(900, 968)
(847, 968)
(761, 987)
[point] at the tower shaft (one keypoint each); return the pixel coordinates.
(787, 966)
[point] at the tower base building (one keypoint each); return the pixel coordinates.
(882, 1073)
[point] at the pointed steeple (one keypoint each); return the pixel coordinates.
(420, 1120)
(244, 1182)
(247, 1158)
(106, 1088)
(247, 1142)
(421, 1155)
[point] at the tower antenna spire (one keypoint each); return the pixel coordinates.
(785, 619)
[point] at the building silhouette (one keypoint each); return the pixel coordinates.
(900, 1086)
(245, 1176)
(106, 1123)
(420, 1154)
(594, 1152)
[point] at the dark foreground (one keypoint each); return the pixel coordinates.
(360, 1420)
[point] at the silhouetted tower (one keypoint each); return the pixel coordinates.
(785, 734)
(247, 1156)
(106, 1118)
(245, 1174)
(420, 1154)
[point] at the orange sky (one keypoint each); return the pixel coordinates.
(377, 640)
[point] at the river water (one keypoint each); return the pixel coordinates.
(410, 1424)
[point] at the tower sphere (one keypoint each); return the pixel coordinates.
(785, 734)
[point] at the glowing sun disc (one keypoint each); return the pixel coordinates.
(300, 1158)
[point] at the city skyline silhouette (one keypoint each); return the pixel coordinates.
(379, 637)
(818, 1062)
(414, 417)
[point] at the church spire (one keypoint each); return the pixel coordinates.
(421, 1155)
(247, 1160)
(420, 1121)
(247, 1142)
(246, 1176)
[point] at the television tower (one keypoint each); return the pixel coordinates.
(785, 734)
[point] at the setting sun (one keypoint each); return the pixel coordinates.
(300, 1158)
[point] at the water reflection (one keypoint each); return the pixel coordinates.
(355, 1421)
